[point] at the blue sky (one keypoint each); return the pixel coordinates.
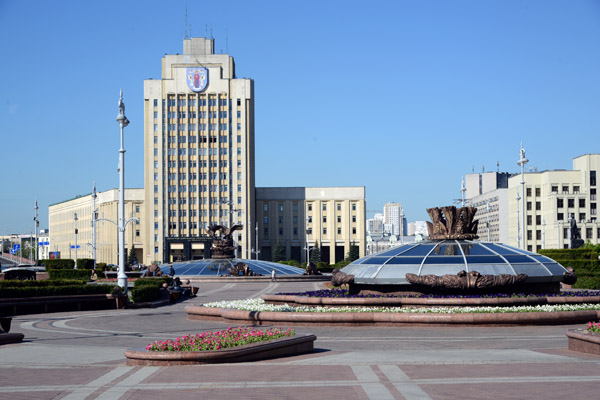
(402, 97)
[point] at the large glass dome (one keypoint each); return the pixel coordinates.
(214, 267)
(449, 257)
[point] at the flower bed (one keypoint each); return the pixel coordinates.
(230, 345)
(231, 337)
(258, 312)
(341, 297)
(260, 305)
(585, 341)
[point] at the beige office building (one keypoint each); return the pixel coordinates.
(333, 217)
(199, 153)
(550, 197)
(62, 225)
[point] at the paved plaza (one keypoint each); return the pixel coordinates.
(79, 355)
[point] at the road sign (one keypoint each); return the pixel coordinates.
(44, 243)
(12, 251)
(72, 246)
(16, 247)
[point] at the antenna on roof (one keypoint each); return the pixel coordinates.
(186, 25)
(498, 166)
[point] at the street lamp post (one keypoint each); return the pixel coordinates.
(543, 233)
(36, 225)
(522, 161)
(488, 220)
(518, 221)
(569, 230)
(75, 219)
(94, 217)
(123, 122)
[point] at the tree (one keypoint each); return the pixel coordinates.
(279, 252)
(353, 253)
(315, 254)
(131, 258)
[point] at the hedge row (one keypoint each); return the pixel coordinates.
(66, 263)
(42, 283)
(570, 254)
(140, 294)
(69, 274)
(155, 281)
(11, 292)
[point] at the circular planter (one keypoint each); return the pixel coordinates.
(584, 341)
(423, 302)
(387, 319)
(283, 347)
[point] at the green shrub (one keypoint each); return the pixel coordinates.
(42, 283)
(140, 294)
(100, 266)
(58, 264)
(570, 254)
(586, 282)
(11, 292)
(69, 274)
(154, 281)
(85, 263)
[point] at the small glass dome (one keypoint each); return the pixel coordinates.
(449, 257)
(217, 267)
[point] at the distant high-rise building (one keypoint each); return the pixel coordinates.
(393, 218)
(199, 153)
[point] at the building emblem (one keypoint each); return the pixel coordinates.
(197, 78)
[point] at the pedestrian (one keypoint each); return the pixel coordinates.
(171, 270)
(273, 278)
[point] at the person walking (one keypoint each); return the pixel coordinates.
(273, 277)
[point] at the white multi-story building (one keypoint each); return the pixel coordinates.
(550, 198)
(199, 153)
(488, 192)
(331, 217)
(393, 219)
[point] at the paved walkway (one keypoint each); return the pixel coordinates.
(79, 355)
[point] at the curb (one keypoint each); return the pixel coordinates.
(584, 342)
(7, 338)
(283, 347)
(388, 319)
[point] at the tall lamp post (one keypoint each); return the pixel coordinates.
(94, 217)
(544, 233)
(518, 220)
(522, 161)
(36, 224)
(123, 122)
(75, 219)
(402, 226)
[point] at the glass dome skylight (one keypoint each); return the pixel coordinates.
(217, 267)
(449, 257)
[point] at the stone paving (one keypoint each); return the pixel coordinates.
(79, 355)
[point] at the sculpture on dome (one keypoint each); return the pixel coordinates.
(223, 247)
(452, 223)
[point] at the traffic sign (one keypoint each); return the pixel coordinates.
(12, 251)
(72, 246)
(16, 247)
(44, 243)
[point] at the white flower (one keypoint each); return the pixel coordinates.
(260, 305)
